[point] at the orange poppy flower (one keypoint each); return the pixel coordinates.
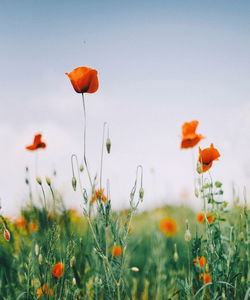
(37, 143)
(200, 217)
(210, 217)
(189, 137)
(98, 194)
(21, 222)
(201, 260)
(206, 158)
(44, 289)
(84, 80)
(32, 227)
(116, 251)
(58, 269)
(168, 226)
(206, 278)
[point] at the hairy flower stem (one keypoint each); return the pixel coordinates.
(84, 153)
(103, 134)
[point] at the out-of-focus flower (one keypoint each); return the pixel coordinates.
(44, 290)
(201, 260)
(168, 226)
(58, 269)
(134, 269)
(98, 194)
(206, 158)
(32, 227)
(201, 217)
(189, 137)
(206, 278)
(84, 80)
(116, 251)
(21, 222)
(37, 143)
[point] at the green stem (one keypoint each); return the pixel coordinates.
(85, 160)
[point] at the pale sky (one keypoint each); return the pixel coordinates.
(160, 63)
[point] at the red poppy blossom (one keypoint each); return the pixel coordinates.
(206, 278)
(37, 143)
(116, 251)
(201, 217)
(98, 194)
(6, 235)
(189, 137)
(84, 80)
(201, 260)
(44, 290)
(168, 226)
(206, 158)
(58, 269)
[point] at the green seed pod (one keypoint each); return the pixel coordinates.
(74, 183)
(48, 181)
(27, 181)
(141, 193)
(39, 180)
(108, 145)
(81, 168)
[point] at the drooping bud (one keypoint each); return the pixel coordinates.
(40, 259)
(36, 249)
(48, 181)
(108, 145)
(39, 180)
(141, 193)
(135, 269)
(6, 235)
(74, 281)
(74, 183)
(199, 167)
(187, 235)
(81, 168)
(176, 256)
(72, 261)
(241, 236)
(207, 268)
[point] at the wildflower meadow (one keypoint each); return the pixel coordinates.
(51, 252)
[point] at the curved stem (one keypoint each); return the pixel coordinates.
(84, 153)
(103, 134)
(78, 170)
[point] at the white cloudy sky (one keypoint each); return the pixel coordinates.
(160, 63)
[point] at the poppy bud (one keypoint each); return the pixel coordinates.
(48, 181)
(134, 269)
(108, 145)
(196, 192)
(39, 180)
(27, 181)
(199, 167)
(81, 168)
(187, 235)
(74, 183)
(207, 268)
(141, 194)
(72, 261)
(242, 280)
(241, 237)
(6, 234)
(223, 296)
(40, 259)
(36, 249)
(74, 281)
(176, 256)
